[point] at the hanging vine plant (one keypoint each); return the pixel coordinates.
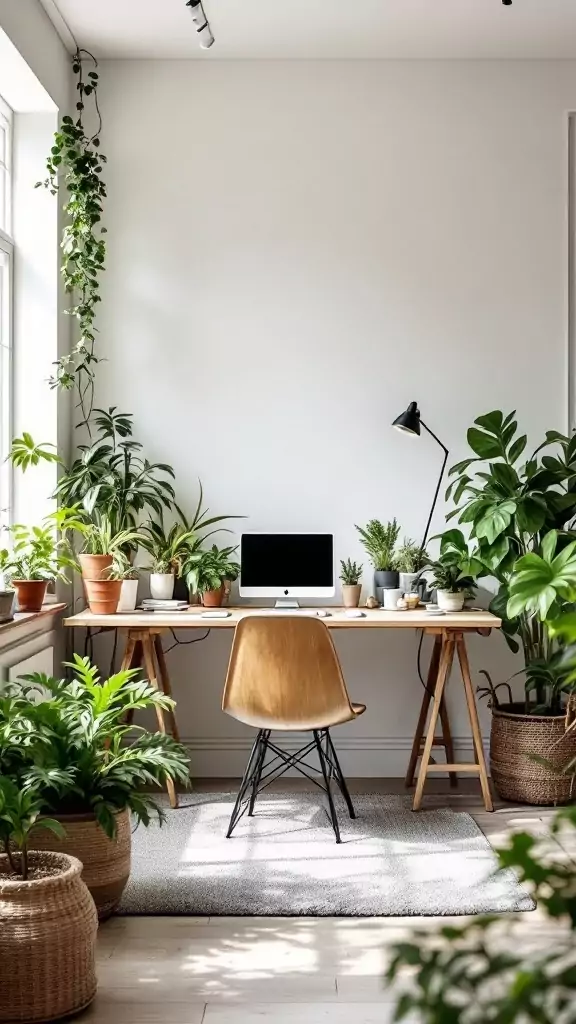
(76, 162)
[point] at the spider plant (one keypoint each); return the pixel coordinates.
(168, 548)
(68, 741)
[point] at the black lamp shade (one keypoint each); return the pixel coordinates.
(409, 421)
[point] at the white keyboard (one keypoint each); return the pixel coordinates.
(315, 612)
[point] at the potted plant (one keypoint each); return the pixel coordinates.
(454, 572)
(103, 561)
(410, 560)
(33, 562)
(197, 524)
(511, 506)
(205, 572)
(380, 540)
(90, 767)
(350, 575)
(48, 921)
(168, 549)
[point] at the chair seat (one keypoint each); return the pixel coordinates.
(358, 709)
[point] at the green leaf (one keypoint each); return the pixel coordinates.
(516, 449)
(491, 421)
(496, 520)
(484, 445)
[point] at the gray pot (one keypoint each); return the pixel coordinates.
(6, 605)
(386, 578)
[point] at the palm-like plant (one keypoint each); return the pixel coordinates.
(111, 474)
(20, 813)
(68, 741)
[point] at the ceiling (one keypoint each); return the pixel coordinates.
(322, 29)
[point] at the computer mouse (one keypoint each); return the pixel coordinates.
(354, 613)
(322, 613)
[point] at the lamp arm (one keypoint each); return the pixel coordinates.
(436, 493)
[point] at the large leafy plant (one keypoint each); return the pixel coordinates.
(20, 813)
(75, 160)
(207, 570)
(69, 741)
(472, 974)
(112, 477)
(379, 540)
(509, 505)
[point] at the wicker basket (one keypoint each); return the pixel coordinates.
(48, 932)
(514, 740)
(106, 861)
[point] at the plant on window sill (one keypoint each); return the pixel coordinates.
(75, 158)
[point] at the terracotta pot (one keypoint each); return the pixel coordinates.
(30, 594)
(213, 598)
(48, 928)
(94, 566)
(103, 596)
(351, 594)
(106, 862)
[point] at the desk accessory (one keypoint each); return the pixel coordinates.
(217, 613)
(409, 422)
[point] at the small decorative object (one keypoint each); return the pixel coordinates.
(410, 560)
(206, 571)
(391, 597)
(409, 422)
(371, 602)
(379, 540)
(33, 562)
(48, 921)
(350, 575)
(6, 605)
(412, 601)
(85, 782)
(402, 604)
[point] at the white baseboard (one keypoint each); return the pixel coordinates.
(365, 757)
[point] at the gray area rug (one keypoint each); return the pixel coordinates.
(284, 861)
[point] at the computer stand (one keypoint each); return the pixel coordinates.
(286, 604)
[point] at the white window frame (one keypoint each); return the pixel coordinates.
(6, 326)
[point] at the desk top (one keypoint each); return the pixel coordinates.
(337, 619)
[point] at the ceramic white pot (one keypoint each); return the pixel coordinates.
(391, 598)
(128, 596)
(162, 586)
(406, 581)
(450, 602)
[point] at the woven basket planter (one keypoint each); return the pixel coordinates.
(48, 929)
(514, 740)
(106, 862)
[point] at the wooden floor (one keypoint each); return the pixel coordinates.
(221, 970)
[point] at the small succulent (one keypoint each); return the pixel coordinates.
(350, 573)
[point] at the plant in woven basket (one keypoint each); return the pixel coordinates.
(380, 540)
(472, 973)
(20, 813)
(350, 573)
(69, 741)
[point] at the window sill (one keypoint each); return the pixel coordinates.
(27, 633)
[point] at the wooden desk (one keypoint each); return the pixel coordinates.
(144, 649)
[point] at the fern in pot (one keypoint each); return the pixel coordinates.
(70, 739)
(350, 576)
(206, 572)
(379, 540)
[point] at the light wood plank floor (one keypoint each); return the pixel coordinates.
(288, 970)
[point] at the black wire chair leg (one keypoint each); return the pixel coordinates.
(325, 765)
(258, 771)
(340, 779)
(246, 781)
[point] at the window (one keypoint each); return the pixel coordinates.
(6, 275)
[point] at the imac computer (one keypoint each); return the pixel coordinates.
(287, 566)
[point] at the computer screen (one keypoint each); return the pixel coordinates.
(290, 564)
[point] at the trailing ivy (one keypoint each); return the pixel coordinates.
(75, 161)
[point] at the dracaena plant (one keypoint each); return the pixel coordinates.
(69, 741)
(379, 540)
(509, 504)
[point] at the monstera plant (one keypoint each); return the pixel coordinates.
(519, 512)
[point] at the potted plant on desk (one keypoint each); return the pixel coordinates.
(410, 560)
(104, 560)
(454, 572)
(34, 561)
(350, 575)
(48, 921)
(89, 765)
(380, 540)
(168, 550)
(206, 572)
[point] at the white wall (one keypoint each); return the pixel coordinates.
(296, 251)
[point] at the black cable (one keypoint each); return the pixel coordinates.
(419, 666)
(113, 655)
(185, 643)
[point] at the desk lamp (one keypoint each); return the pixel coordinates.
(409, 422)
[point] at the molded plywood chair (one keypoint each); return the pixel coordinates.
(284, 674)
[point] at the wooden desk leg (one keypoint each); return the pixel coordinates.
(132, 659)
(474, 722)
(165, 680)
(150, 669)
(446, 659)
(446, 741)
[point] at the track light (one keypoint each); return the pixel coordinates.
(205, 37)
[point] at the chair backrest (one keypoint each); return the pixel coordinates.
(284, 674)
